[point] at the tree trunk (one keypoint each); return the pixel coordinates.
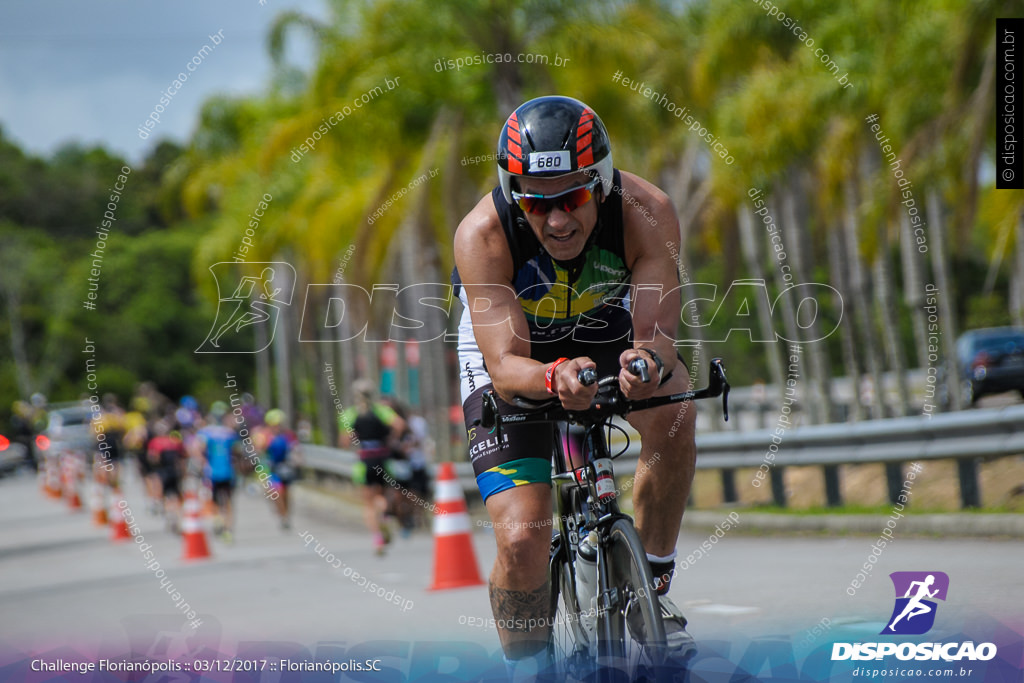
(325, 408)
(799, 244)
(838, 261)
(859, 299)
(995, 263)
(788, 312)
(947, 314)
(913, 289)
(281, 346)
(264, 383)
(688, 196)
(749, 243)
(890, 330)
(1017, 276)
(22, 367)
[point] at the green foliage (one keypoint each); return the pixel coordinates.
(66, 196)
(987, 310)
(147, 319)
(740, 73)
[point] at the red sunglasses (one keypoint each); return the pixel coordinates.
(567, 200)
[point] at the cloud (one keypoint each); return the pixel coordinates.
(92, 72)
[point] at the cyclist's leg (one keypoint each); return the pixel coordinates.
(514, 477)
(519, 586)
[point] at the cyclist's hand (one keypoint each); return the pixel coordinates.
(631, 385)
(572, 394)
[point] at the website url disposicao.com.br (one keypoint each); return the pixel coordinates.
(498, 58)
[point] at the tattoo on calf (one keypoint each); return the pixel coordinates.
(520, 611)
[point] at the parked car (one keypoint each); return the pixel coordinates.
(68, 430)
(12, 455)
(990, 361)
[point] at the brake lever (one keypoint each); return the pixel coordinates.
(638, 366)
(718, 381)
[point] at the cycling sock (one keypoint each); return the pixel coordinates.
(663, 569)
(667, 558)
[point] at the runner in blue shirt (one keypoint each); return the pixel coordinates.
(219, 444)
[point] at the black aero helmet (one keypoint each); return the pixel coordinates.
(553, 136)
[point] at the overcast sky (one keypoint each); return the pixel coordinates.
(93, 70)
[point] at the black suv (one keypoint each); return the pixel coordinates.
(990, 361)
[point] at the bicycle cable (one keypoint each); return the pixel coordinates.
(610, 426)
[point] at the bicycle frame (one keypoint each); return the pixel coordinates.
(578, 502)
(581, 510)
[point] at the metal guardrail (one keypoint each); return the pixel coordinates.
(965, 436)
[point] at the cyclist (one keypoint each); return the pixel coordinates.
(566, 265)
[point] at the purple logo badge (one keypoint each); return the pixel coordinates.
(914, 612)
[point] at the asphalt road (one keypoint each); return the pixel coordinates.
(66, 585)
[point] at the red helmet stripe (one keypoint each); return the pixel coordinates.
(515, 165)
(513, 134)
(584, 150)
(515, 149)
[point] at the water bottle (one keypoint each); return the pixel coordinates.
(586, 579)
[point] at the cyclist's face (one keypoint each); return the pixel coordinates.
(563, 234)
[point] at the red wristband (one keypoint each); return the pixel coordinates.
(549, 374)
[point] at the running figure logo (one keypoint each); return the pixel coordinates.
(914, 613)
(254, 299)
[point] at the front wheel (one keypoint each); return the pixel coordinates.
(571, 642)
(631, 632)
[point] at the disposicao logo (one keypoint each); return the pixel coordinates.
(914, 612)
(912, 615)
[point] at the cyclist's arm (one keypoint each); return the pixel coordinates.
(499, 326)
(651, 239)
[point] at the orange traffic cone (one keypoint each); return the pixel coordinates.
(192, 531)
(98, 505)
(52, 478)
(43, 476)
(70, 472)
(118, 526)
(454, 559)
